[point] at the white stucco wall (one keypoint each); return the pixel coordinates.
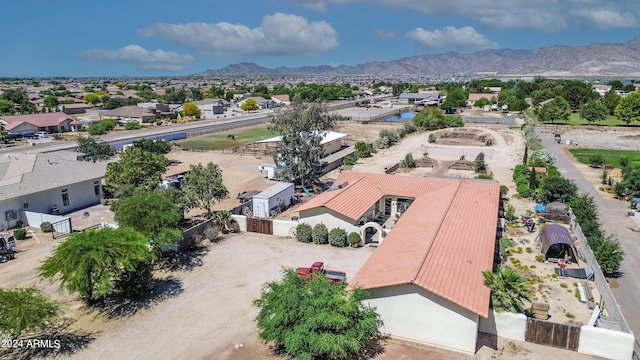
(605, 343)
(283, 227)
(412, 313)
(242, 222)
(506, 325)
(80, 195)
(328, 217)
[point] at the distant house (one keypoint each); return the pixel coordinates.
(208, 107)
(260, 101)
(601, 89)
(432, 98)
(132, 112)
(47, 183)
(75, 108)
(472, 98)
(425, 277)
(281, 100)
(158, 108)
(54, 122)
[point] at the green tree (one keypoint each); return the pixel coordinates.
(480, 103)
(609, 255)
(594, 111)
(135, 169)
(153, 215)
(88, 262)
(525, 158)
(556, 189)
(25, 309)
(203, 186)
(95, 148)
(508, 290)
(554, 111)
(628, 109)
(157, 146)
(480, 165)
(408, 161)
(7, 107)
(92, 98)
(192, 110)
(578, 93)
(533, 179)
(458, 97)
(27, 107)
(50, 102)
(315, 320)
(249, 105)
(224, 219)
(629, 88)
(430, 118)
(302, 126)
(616, 84)
(611, 100)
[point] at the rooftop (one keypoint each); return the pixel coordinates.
(328, 137)
(442, 243)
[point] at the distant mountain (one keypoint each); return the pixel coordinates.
(593, 60)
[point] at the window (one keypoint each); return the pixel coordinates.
(65, 197)
(387, 206)
(96, 188)
(25, 205)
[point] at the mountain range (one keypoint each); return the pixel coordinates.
(612, 60)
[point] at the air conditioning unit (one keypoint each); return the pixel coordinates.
(11, 215)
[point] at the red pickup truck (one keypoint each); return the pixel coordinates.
(318, 268)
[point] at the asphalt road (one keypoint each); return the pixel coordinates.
(614, 220)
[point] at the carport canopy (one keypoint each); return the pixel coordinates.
(557, 243)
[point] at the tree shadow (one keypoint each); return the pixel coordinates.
(55, 341)
(375, 347)
(182, 260)
(117, 306)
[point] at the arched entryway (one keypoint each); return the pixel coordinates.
(371, 237)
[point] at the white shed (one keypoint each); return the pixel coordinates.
(269, 168)
(277, 198)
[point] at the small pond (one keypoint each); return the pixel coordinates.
(405, 116)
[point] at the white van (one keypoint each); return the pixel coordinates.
(42, 134)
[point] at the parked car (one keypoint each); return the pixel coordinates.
(29, 136)
(318, 268)
(42, 134)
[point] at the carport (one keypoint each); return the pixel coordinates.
(556, 242)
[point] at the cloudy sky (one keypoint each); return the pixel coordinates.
(148, 38)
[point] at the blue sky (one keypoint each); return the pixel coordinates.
(164, 38)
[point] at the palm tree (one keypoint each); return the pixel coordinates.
(508, 290)
(225, 221)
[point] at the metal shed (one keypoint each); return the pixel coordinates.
(273, 200)
(557, 243)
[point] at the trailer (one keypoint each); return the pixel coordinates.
(274, 200)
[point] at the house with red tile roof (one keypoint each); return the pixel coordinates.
(281, 100)
(472, 98)
(53, 122)
(425, 277)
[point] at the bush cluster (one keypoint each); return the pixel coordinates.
(101, 127)
(320, 234)
(353, 238)
(338, 237)
(303, 233)
(20, 234)
(46, 226)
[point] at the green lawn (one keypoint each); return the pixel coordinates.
(612, 156)
(575, 120)
(220, 140)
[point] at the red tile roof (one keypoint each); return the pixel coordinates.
(442, 243)
(39, 120)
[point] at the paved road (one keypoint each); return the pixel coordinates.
(614, 219)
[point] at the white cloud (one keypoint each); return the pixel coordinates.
(382, 33)
(543, 15)
(449, 38)
(143, 58)
(604, 19)
(318, 5)
(279, 35)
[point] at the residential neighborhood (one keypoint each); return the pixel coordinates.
(432, 217)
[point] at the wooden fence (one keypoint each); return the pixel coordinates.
(262, 226)
(552, 334)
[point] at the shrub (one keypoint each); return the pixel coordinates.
(46, 226)
(542, 157)
(524, 190)
(432, 138)
(363, 149)
(303, 233)
(408, 161)
(353, 238)
(96, 129)
(320, 234)
(540, 258)
(504, 189)
(350, 160)
(511, 213)
(596, 160)
(382, 143)
(480, 165)
(338, 237)
(132, 125)
(520, 170)
(20, 234)
(484, 176)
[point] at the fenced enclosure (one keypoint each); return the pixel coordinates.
(552, 334)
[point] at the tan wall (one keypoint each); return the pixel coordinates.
(412, 313)
(506, 325)
(283, 227)
(328, 217)
(606, 343)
